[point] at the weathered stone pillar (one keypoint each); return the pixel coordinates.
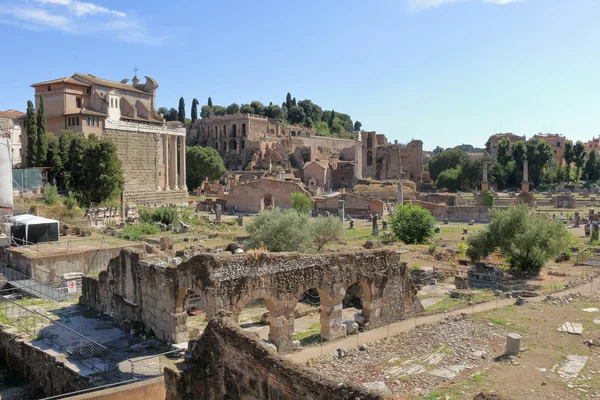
(182, 175)
(156, 164)
(525, 184)
(331, 315)
(358, 156)
(375, 231)
(166, 160)
(173, 160)
(484, 181)
(281, 324)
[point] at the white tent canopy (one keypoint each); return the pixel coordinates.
(29, 229)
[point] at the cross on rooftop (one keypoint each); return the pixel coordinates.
(135, 70)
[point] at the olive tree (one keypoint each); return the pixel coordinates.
(527, 240)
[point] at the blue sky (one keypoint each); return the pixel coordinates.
(444, 71)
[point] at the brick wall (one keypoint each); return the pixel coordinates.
(138, 153)
(229, 363)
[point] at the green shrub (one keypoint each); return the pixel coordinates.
(70, 202)
(51, 196)
(462, 248)
(280, 231)
(301, 202)
(167, 216)
(432, 249)
(412, 224)
(138, 232)
(488, 199)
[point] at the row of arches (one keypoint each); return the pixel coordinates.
(215, 132)
(229, 145)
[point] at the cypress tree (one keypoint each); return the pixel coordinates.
(32, 139)
(294, 102)
(209, 102)
(288, 101)
(181, 113)
(42, 139)
(331, 118)
(194, 110)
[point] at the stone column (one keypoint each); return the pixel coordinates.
(375, 231)
(400, 193)
(331, 317)
(281, 325)
(182, 165)
(173, 160)
(166, 160)
(484, 181)
(525, 184)
(358, 156)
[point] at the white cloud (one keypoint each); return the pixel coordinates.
(76, 16)
(423, 4)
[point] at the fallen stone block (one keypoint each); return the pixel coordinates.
(378, 387)
(351, 327)
(573, 328)
(572, 366)
(591, 309)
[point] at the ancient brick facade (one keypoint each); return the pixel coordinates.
(256, 196)
(228, 363)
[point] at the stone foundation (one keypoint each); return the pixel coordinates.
(44, 373)
(160, 197)
(469, 213)
(229, 363)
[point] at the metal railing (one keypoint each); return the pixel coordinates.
(48, 291)
(39, 326)
(152, 366)
(583, 255)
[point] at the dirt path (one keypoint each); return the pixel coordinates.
(408, 324)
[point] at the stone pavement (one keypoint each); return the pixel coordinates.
(408, 324)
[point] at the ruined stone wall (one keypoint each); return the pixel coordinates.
(254, 195)
(346, 146)
(412, 160)
(437, 210)
(47, 375)
(136, 292)
(468, 213)
(229, 363)
(229, 282)
(352, 204)
(151, 389)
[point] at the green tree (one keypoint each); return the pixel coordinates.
(326, 230)
(203, 163)
(591, 170)
(331, 118)
(74, 165)
(64, 148)
(294, 102)
(101, 173)
(32, 136)
(528, 241)
(471, 172)
(51, 195)
(578, 158)
(258, 107)
(209, 103)
(437, 151)
(218, 110)
(247, 109)
(181, 112)
(233, 108)
(42, 145)
(54, 161)
(412, 224)
(288, 101)
(503, 154)
(311, 110)
(447, 159)
(163, 110)
(357, 125)
(205, 112)
(296, 115)
(273, 112)
(450, 179)
(568, 156)
(172, 115)
(321, 128)
(280, 231)
(194, 110)
(301, 202)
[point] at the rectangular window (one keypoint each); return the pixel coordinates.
(78, 102)
(557, 144)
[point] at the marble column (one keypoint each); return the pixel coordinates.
(182, 165)
(166, 160)
(173, 160)
(484, 182)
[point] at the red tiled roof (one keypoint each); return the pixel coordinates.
(12, 114)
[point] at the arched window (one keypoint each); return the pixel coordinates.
(233, 130)
(225, 130)
(77, 119)
(69, 121)
(369, 158)
(369, 141)
(243, 130)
